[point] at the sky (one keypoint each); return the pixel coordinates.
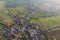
(49, 5)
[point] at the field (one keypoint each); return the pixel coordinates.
(50, 22)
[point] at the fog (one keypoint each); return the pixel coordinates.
(47, 5)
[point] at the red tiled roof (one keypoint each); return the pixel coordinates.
(53, 33)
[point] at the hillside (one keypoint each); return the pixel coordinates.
(25, 8)
(49, 22)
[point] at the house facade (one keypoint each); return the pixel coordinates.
(53, 35)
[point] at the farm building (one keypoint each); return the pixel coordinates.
(53, 35)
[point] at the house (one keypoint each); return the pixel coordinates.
(53, 35)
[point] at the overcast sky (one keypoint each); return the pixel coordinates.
(49, 5)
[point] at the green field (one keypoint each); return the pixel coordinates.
(50, 22)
